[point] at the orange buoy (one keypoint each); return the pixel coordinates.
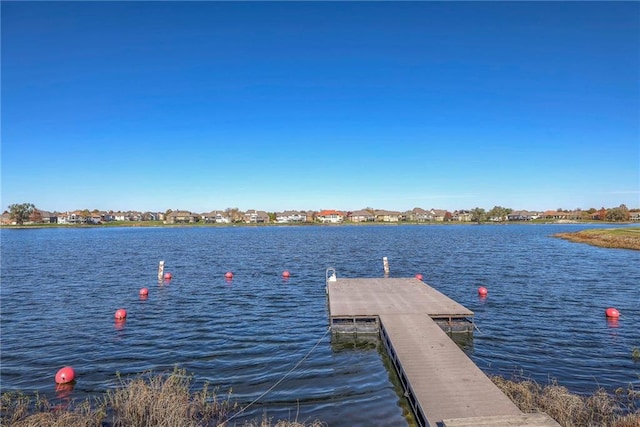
(144, 292)
(121, 314)
(419, 276)
(228, 275)
(167, 276)
(286, 273)
(612, 313)
(65, 375)
(482, 291)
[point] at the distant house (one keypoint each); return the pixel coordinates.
(556, 215)
(462, 215)
(253, 216)
(387, 216)
(362, 216)
(5, 218)
(150, 216)
(216, 216)
(419, 215)
(330, 216)
(290, 217)
(522, 215)
(182, 217)
(438, 214)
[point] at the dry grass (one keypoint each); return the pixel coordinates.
(621, 238)
(148, 400)
(570, 410)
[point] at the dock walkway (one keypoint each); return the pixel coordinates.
(444, 387)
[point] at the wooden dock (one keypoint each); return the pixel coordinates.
(444, 387)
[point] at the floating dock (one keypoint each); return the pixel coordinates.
(444, 387)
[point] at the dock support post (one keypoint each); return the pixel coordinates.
(160, 271)
(385, 265)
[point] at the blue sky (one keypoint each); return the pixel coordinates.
(320, 105)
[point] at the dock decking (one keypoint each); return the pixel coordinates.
(444, 387)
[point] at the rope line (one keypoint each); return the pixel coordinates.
(280, 380)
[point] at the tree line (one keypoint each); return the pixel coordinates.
(21, 213)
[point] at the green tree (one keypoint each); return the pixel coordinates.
(499, 212)
(234, 214)
(478, 215)
(20, 212)
(621, 213)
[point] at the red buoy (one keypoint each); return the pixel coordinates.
(612, 313)
(121, 314)
(144, 292)
(419, 276)
(228, 275)
(65, 375)
(286, 273)
(482, 291)
(167, 276)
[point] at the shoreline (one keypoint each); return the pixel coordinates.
(160, 224)
(615, 238)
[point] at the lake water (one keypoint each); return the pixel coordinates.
(543, 318)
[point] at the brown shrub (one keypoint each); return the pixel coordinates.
(571, 410)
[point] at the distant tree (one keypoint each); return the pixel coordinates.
(478, 215)
(602, 214)
(85, 213)
(499, 212)
(448, 216)
(272, 216)
(621, 213)
(591, 211)
(20, 212)
(234, 214)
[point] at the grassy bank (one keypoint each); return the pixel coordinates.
(170, 400)
(621, 238)
(148, 400)
(570, 410)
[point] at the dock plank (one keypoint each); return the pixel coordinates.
(363, 297)
(443, 383)
(446, 382)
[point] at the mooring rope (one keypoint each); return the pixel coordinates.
(279, 381)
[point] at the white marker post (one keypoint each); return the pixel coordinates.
(385, 265)
(160, 271)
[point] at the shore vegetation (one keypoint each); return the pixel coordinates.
(621, 238)
(602, 409)
(171, 400)
(147, 400)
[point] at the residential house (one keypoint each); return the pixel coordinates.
(216, 216)
(362, 216)
(522, 215)
(438, 215)
(150, 216)
(5, 218)
(182, 217)
(387, 216)
(556, 215)
(290, 217)
(253, 216)
(462, 215)
(419, 215)
(330, 216)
